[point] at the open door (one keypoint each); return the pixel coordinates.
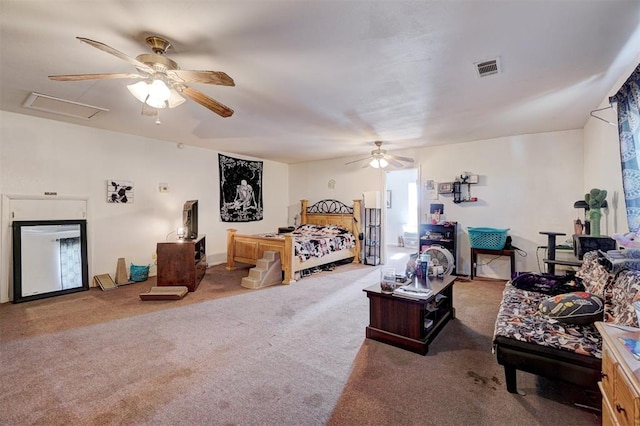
(401, 206)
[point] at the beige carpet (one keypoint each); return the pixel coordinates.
(285, 355)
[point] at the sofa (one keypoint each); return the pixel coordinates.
(529, 339)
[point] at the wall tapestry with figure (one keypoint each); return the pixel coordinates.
(240, 189)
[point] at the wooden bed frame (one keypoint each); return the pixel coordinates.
(249, 248)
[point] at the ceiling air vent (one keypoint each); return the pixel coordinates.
(488, 67)
(61, 106)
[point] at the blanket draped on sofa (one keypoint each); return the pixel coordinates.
(527, 340)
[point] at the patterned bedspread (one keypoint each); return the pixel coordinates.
(317, 241)
(519, 319)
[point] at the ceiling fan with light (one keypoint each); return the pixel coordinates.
(379, 159)
(163, 82)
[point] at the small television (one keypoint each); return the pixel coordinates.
(190, 219)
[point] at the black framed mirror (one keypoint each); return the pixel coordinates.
(49, 258)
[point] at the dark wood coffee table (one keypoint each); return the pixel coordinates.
(410, 324)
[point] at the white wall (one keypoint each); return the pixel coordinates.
(38, 155)
(310, 181)
(602, 168)
(528, 184)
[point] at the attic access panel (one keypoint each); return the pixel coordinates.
(54, 105)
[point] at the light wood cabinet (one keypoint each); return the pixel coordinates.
(182, 262)
(620, 385)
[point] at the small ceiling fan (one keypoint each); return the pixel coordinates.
(163, 82)
(379, 159)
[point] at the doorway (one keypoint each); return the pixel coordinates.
(402, 213)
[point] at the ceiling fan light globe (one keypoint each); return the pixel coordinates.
(139, 90)
(159, 94)
(175, 99)
(378, 163)
(158, 90)
(156, 102)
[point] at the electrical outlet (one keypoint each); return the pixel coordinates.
(163, 187)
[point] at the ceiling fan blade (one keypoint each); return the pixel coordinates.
(206, 77)
(395, 163)
(356, 161)
(400, 158)
(136, 63)
(78, 77)
(206, 101)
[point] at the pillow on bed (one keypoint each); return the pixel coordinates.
(320, 230)
(307, 228)
(578, 307)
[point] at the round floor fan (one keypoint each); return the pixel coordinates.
(440, 256)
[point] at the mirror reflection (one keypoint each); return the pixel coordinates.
(49, 258)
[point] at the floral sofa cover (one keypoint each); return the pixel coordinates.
(528, 340)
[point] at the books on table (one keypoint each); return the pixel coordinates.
(412, 291)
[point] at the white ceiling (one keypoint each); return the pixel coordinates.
(324, 79)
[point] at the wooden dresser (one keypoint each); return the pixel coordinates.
(620, 385)
(182, 262)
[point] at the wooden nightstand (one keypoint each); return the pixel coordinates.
(620, 385)
(182, 263)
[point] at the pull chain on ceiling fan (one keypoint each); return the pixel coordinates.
(380, 159)
(163, 82)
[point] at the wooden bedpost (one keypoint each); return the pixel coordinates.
(357, 215)
(303, 211)
(231, 233)
(287, 262)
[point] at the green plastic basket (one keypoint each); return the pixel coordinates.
(487, 238)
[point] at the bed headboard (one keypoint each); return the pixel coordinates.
(332, 212)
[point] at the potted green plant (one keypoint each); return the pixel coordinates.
(594, 199)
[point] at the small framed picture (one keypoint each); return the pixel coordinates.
(430, 190)
(445, 187)
(119, 191)
(388, 199)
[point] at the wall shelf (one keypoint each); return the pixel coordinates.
(462, 192)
